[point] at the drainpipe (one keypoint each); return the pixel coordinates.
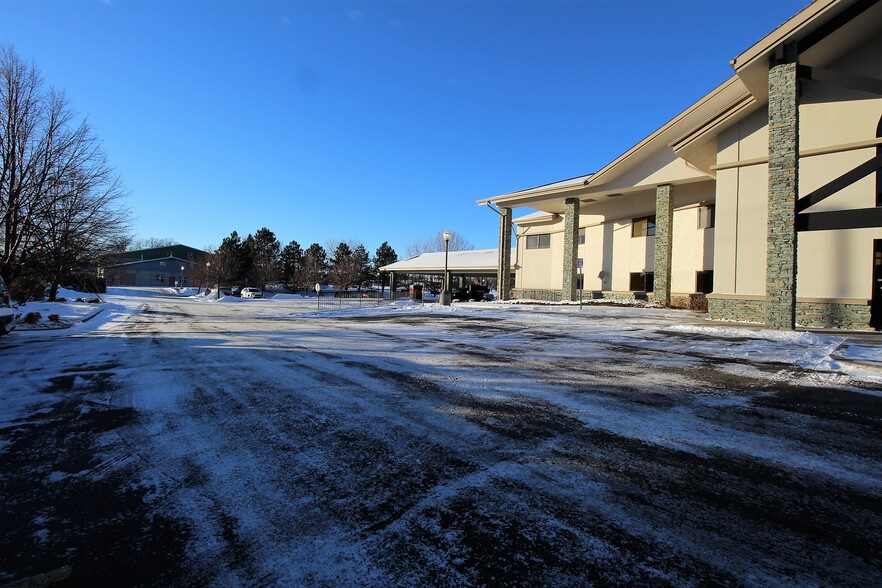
(514, 233)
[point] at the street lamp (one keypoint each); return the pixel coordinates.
(182, 277)
(217, 292)
(445, 293)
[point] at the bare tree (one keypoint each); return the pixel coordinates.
(222, 266)
(59, 198)
(84, 222)
(201, 273)
(31, 122)
(151, 243)
(436, 243)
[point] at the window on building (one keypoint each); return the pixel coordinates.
(706, 217)
(539, 241)
(643, 226)
(642, 281)
(704, 281)
(580, 282)
(161, 264)
(160, 278)
(581, 236)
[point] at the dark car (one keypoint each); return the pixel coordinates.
(7, 311)
(472, 292)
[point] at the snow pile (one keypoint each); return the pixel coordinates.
(70, 308)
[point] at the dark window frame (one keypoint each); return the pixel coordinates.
(704, 281)
(643, 226)
(642, 282)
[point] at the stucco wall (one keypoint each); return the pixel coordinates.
(742, 209)
(830, 264)
(610, 254)
(540, 268)
(838, 264)
(693, 249)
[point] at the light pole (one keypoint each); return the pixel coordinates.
(181, 286)
(217, 291)
(445, 293)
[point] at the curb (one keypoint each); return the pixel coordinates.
(93, 315)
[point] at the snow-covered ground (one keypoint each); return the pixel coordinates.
(178, 439)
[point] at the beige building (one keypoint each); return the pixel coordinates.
(774, 222)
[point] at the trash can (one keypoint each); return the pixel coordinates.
(416, 291)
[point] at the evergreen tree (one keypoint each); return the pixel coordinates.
(227, 260)
(343, 272)
(361, 260)
(246, 261)
(265, 251)
(314, 267)
(384, 256)
(290, 261)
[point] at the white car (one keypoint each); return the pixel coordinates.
(251, 293)
(7, 311)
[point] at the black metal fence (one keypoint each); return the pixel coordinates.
(340, 300)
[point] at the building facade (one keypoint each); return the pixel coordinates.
(761, 202)
(171, 266)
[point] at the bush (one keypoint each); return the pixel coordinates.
(54, 318)
(24, 289)
(31, 318)
(698, 302)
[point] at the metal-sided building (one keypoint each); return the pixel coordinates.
(170, 266)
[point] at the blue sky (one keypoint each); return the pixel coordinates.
(372, 121)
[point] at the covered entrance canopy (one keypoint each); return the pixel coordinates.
(466, 265)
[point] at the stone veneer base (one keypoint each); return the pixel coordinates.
(558, 295)
(818, 315)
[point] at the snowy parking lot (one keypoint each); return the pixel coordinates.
(179, 441)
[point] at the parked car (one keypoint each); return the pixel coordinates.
(235, 291)
(7, 311)
(473, 292)
(251, 293)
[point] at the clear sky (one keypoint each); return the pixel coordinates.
(370, 120)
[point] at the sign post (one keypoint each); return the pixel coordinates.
(581, 280)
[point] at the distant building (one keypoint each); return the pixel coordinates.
(171, 266)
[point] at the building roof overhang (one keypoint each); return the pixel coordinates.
(691, 135)
(150, 261)
(473, 262)
(835, 22)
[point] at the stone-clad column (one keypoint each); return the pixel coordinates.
(664, 240)
(780, 310)
(571, 248)
(503, 271)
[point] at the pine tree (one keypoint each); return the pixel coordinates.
(290, 262)
(384, 256)
(361, 261)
